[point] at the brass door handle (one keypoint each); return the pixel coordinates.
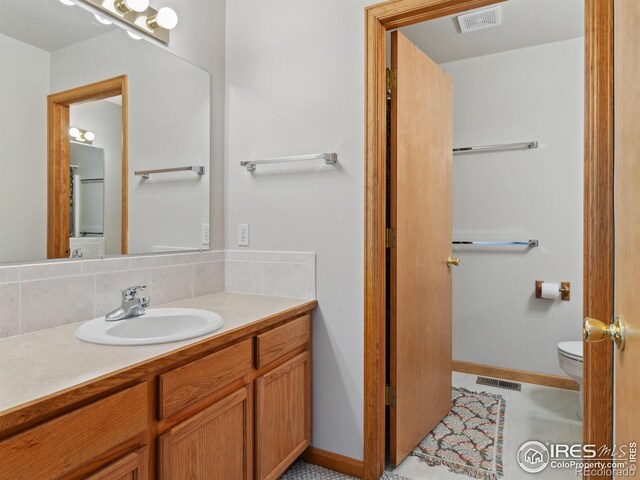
(453, 261)
(595, 331)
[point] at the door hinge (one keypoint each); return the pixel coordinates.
(392, 78)
(390, 238)
(389, 395)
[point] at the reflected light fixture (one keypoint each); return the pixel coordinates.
(102, 19)
(133, 35)
(166, 18)
(67, 2)
(126, 6)
(79, 135)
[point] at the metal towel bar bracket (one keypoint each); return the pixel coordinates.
(199, 169)
(329, 159)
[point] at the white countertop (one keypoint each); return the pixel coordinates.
(39, 364)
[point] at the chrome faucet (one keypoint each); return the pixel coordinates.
(132, 306)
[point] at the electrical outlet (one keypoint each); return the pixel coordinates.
(205, 234)
(243, 234)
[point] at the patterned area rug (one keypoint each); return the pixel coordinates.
(308, 471)
(469, 439)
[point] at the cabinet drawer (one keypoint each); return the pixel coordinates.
(282, 339)
(66, 443)
(196, 380)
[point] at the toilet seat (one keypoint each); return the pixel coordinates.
(572, 350)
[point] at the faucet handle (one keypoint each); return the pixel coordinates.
(130, 293)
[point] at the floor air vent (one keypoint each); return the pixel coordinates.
(492, 382)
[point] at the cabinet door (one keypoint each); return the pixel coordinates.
(283, 416)
(215, 444)
(130, 467)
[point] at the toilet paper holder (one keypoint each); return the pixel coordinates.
(565, 290)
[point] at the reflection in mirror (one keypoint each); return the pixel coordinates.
(53, 145)
(96, 188)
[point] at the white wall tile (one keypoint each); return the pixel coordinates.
(106, 265)
(53, 302)
(208, 278)
(285, 279)
(9, 309)
(170, 284)
(244, 277)
(9, 274)
(50, 270)
(150, 261)
(184, 258)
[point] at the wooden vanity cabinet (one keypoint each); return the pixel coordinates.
(130, 467)
(237, 410)
(215, 444)
(283, 416)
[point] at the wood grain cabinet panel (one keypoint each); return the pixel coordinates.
(283, 416)
(66, 443)
(280, 340)
(196, 380)
(215, 444)
(130, 467)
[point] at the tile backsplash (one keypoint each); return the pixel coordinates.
(46, 295)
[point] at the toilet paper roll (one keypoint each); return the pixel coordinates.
(551, 290)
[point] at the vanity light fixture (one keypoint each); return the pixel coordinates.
(139, 15)
(126, 6)
(166, 18)
(83, 136)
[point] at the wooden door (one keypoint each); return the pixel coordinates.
(215, 444)
(130, 467)
(627, 219)
(421, 204)
(283, 416)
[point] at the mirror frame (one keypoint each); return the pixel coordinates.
(58, 154)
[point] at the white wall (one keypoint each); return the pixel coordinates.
(24, 85)
(528, 94)
(295, 73)
(105, 120)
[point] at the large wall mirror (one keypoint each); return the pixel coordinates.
(104, 139)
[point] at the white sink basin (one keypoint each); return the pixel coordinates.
(157, 325)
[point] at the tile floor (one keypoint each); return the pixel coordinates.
(536, 413)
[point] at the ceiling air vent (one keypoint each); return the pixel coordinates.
(489, 17)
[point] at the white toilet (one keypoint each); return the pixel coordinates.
(570, 358)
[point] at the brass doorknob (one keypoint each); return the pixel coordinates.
(595, 331)
(453, 261)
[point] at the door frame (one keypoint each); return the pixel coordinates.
(58, 153)
(598, 210)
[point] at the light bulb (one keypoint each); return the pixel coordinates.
(102, 19)
(74, 132)
(134, 36)
(126, 6)
(67, 2)
(166, 18)
(89, 136)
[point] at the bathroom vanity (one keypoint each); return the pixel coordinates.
(232, 405)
